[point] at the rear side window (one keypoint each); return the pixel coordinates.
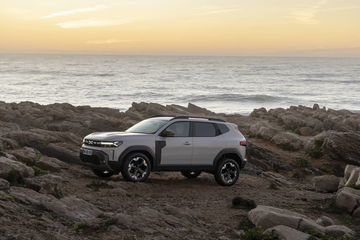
(223, 128)
(204, 129)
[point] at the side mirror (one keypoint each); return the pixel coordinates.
(167, 133)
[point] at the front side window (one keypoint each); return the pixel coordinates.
(148, 126)
(204, 129)
(179, 129)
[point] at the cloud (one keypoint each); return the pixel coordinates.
(92, 23)
(307, 15)
(74, 11)
(108, 41)
(218, 11)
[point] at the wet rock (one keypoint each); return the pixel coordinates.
(325, 221)
(326, 183)
(7, 166)
(287, 233)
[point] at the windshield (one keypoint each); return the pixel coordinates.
(148, 126)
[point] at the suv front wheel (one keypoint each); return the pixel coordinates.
(136, 167)
(227, 172)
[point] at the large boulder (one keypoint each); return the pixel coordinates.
(263, 130)
(288, 141)
(339, 231)
(287, 233)
(48, 184)
(50, 164)
(326, 183)
(26, 155)
(343, 146)
(349, 199)
(270, 217)
(8, 166)
(325, 221)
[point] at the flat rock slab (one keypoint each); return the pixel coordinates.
(287, 233)
(71, 207)
(7, 165)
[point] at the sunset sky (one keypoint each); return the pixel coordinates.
(214, 27)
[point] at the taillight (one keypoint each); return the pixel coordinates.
(243, 143)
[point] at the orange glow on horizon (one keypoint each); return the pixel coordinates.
(181, 26)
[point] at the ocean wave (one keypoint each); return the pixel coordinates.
(230, 97)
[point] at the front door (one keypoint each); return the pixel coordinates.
(178, 147)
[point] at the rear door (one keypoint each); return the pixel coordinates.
(206, 143)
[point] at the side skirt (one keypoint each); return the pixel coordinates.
(177, 168)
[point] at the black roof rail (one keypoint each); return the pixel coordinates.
(162, 116)
(208, 118)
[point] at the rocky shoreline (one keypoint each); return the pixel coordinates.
(297, 158)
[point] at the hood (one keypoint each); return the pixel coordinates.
(111, 136)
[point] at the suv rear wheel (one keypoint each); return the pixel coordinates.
(136, 167)
(227, 172)
(191, 174)
(103, 173)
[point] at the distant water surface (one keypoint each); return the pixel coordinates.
(221, 84)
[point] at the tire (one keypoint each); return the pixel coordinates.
(136, 167)
(227, 172)
(191, 174)
(102, 173)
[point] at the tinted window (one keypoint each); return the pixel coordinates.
(204, 130)
(223, 128)
(181, 129)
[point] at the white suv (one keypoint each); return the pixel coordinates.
(182, 143)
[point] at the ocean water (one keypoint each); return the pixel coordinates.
(221, 84)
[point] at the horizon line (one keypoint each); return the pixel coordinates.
(170, 54)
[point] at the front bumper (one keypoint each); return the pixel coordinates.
(97, 160)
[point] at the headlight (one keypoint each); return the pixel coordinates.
(111, 144)
(96, 143)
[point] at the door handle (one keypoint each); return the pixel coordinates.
(187, 143)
